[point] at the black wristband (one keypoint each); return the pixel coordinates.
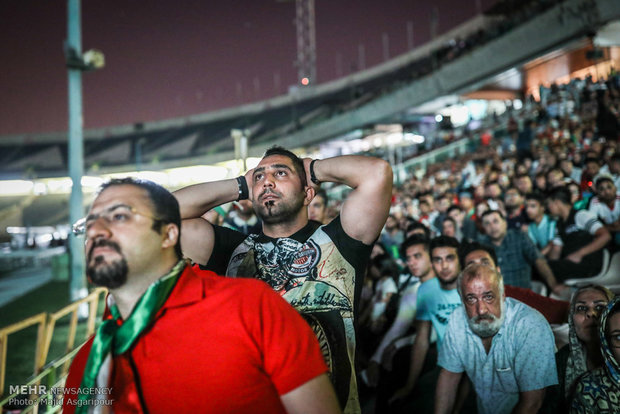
(312, 176)
(244, 193)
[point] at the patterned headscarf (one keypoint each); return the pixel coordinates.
(577, 357)
(612, 367)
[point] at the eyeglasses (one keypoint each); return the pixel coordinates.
(116, 215)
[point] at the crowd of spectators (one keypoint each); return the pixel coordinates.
(539, 202)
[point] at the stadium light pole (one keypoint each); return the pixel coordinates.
(77, 284)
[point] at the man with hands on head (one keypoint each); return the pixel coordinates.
(176, 340)
(318, 269)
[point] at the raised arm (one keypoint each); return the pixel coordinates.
(316, 396)
(194, 201)
(366, 208)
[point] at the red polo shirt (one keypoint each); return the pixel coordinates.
(217, 345)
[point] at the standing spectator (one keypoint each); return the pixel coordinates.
(580, 238)
(504, 346)
(318, 269)
(168, 344)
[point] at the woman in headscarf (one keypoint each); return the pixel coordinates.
(599, 391)
(582, 353)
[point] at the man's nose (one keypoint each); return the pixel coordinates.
(97, 228)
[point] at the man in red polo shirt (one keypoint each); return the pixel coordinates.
(179, 340)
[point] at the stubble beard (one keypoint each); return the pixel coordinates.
(283, 211)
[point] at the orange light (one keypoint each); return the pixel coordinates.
(305, 81)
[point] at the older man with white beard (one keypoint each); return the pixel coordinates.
(505, 347)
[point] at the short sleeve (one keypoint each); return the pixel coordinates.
(584, 219)
(422, 312)
(290, 349)
(535, 353)
(449, 351)
(225, 242)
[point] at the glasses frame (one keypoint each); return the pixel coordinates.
(79, 227)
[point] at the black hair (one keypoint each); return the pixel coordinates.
(537, 196)
(561, 194)
(453, 207)
(417, 225)
(489, 212)
(165, 205)
(412, 241)
(297, 162)
(467, 248)
(444, 241)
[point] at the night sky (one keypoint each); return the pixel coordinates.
(167, 59)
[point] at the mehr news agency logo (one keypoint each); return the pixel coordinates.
(56, 395)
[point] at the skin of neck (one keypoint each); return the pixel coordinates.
(288, 228)
(564, 211)
(538, 218)
(128, 295)
(427, 276)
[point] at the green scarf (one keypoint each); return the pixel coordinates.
(115, 338)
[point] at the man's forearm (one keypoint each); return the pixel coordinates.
(353, 170)
(600, 241)
(418, 355)
(195, 200)
(545, 272)
(446, 391)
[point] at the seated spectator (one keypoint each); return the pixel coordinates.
(606, 205)
(504, 346)
(590, 170)
(516, 217)
(597, 391)
(541, 229)
(523, 182)
(582, 353)
(449, 228)
(464, 225)
(580, 239)
(569, 170)
(436, 300)
(388, 365)
(417, 228)
(516, 254)
(242, 218)
(392, 236)
(317, 209)
(555, 311)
